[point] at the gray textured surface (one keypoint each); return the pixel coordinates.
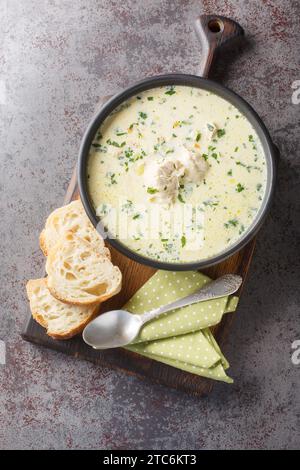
(57, 58)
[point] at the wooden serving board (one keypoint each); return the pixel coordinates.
(134, 276)
(213, 32)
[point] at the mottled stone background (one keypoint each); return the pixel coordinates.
(57, 58)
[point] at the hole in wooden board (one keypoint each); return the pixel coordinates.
(216, 26)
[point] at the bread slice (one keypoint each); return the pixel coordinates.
(61, 320)
(71, 217)
(79, 274)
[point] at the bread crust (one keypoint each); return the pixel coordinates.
(71, 237)
(51, 238)
(30, 286)
(42, 241)
(50, 230)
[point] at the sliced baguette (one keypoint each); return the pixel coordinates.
(62, 321)
(79, 274)
(71, 217)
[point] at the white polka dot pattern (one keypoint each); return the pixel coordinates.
(183, 320)
(181, 338)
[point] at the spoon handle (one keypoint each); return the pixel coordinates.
(223, 286)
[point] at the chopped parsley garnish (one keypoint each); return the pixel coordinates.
(183, 241)
(231, 223)
(136, 216)
(239, 188)
(152, 190)
(150, 98)
(221, 132)
(100, 148)
(128, 153)
(248, 167)
(250, 138)
(211, 203)
(180, 198)
(198, 137)
(236, 149)
(171, 91)
(143, 115)
(181, 123)
(113, 178)
(120, 133)
(115, 144)
(242, 229)
(258, 187)
(229, 173)
(174, 135)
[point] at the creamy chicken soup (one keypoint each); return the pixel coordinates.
(177, 174)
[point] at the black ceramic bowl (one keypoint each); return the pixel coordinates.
(191, 81)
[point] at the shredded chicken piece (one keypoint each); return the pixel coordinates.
(164, 178)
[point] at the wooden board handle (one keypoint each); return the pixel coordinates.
(214, 31)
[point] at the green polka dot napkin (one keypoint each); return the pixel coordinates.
(181, 338)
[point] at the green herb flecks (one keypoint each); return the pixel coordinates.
(183, 241)
(211, 203)
(231, 223)
(221, 133)
(248, 167)
(170, 91)
(242, 229)
(115, 144)
(152, 190)
(143, 115)
(128, 153)
(239, 188)
(112, 177)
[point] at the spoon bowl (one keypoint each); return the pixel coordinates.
(112, 329)
(119, 327)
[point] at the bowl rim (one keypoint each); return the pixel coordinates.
(191, 81)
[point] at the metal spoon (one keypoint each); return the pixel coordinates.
(119, 327)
